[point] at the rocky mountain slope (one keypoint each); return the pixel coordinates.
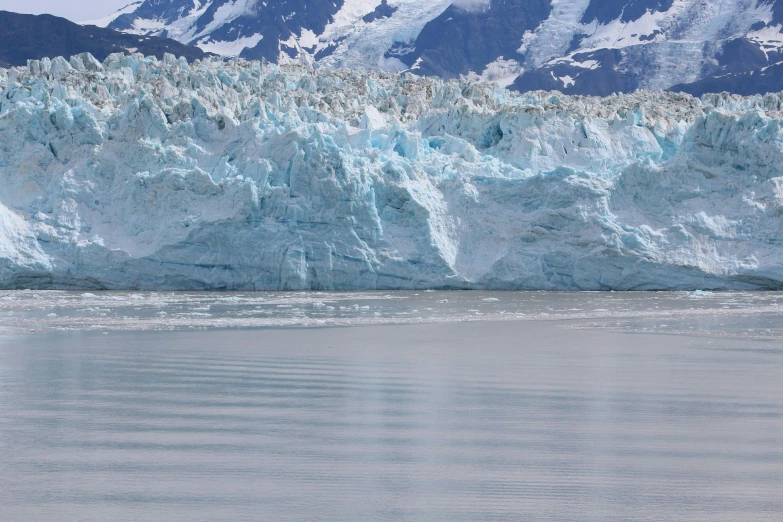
(139, 173)
(575, 46)
(29, 37)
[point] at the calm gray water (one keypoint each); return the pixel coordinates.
(463, 421)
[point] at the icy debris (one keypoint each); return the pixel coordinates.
(145, 174)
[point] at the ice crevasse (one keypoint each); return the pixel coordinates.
(136, 173)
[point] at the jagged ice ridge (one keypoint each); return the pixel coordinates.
(144, 174)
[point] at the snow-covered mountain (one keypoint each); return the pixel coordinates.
(139, 173)
(575, 46)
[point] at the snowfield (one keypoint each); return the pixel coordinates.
(146, 174)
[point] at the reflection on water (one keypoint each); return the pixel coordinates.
(511, 421)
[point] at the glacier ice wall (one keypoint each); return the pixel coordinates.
(144, 174)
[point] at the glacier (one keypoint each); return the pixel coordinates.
(138, 173)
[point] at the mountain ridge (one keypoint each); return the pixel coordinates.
(20, 40)
(574, 46)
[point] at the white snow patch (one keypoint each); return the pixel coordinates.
(229, 49)
(501, 71)
(552, 38)
(106, 20)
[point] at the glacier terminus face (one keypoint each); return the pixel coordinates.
(136, 173)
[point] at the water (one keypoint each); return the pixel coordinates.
(570, 419)
(736, 314)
